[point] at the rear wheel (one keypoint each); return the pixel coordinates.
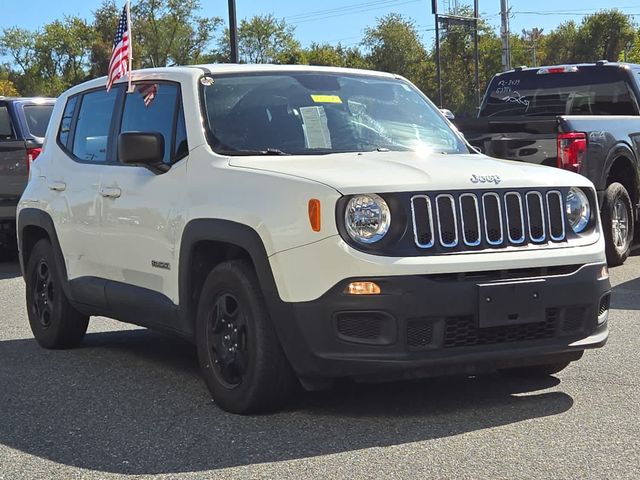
(618, 223)
(55, 323)
(242, 362)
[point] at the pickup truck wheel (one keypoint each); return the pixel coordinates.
(617, 220)
(55, 323)
(243, 364)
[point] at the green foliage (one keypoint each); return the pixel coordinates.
(266, 39)
(394, 46)
(169, 32)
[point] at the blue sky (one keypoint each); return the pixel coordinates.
(335, 20)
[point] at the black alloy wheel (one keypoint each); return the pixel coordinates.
(54, 321)
(43, 301)
(240, 355)
(227, 337)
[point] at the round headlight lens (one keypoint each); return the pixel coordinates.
(577, 209)
(367, 218)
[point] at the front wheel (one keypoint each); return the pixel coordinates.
(618, 223)
(242, 362)
(55, 323)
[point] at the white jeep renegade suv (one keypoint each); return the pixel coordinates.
(301, 224)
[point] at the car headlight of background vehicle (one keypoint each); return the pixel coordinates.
(578, 209)
(367, 218)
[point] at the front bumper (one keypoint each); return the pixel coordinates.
(424, 325)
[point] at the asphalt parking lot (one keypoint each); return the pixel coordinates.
(130, 402)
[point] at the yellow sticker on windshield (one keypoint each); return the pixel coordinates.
(326, 98)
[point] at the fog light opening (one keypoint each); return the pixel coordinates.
(603, 310)
(363, 288)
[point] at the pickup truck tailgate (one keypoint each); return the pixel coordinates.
(529, 140)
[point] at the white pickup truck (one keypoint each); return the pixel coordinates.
(301, 224)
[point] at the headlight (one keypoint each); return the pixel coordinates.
(577, 209)
(367, 218)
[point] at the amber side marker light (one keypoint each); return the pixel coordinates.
(604, 273)
(362, 288)
(314, 214)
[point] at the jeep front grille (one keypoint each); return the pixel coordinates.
(468, 220)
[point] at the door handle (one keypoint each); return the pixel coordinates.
(110, 192)
(58, 186)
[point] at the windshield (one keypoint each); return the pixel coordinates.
(311, 113)
(588, 91)
(37, 117)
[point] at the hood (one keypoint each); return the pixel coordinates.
(380, 172)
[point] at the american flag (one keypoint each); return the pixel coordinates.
(119, 63)
(148, 92)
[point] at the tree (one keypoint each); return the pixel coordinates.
(264, 39)
(335, 56)
(169, 32)
(105, 22)
(457, 55)
(604, 35)
(394, 46)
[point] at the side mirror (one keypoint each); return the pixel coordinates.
(142, 148)
(448, 113)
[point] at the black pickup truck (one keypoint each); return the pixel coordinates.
(23, 123)
(584, 118)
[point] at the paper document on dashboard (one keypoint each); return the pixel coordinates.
(316, 129)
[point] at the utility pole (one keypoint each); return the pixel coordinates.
(476, 52)
(233, 32)
(434, 9)
(504, 33)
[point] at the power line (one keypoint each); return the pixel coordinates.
(301, 16)
(387, 4)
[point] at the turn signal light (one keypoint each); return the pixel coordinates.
(314, 214)
(604, 272)
(363, 288)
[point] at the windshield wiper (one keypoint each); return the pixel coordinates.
(242, 152)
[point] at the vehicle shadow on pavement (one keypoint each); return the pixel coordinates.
(9, 269)
(132, 402)
(626, 296)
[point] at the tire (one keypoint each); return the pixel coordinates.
(618, 223)
(245, 369)
(54, 322)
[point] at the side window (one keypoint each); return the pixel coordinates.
(92, 128)
(65, 123)
(6, 132)
(151, 108)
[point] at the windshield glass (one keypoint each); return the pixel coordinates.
(311, 113)
(588, 91)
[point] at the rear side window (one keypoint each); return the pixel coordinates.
(37, 118)
(152, 108)
(92, 128)
(589, 91)
(6, 131)
(65, 123)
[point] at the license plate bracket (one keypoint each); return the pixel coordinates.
(510, 303)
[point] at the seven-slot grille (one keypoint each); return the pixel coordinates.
(487, 219)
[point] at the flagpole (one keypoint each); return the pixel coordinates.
(129, 90)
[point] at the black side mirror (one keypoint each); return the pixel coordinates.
(142, 148)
